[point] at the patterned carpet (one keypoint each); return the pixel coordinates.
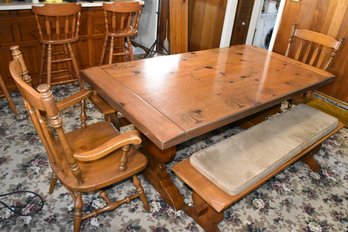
(295, 200)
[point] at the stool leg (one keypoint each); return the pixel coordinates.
(43, 52)
(75, 65)
(130, 49)
(67, 55)
(103, 51)
(49, 64)
(111, 54)
(7, 95)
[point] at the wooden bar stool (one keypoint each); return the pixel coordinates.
(7, 95)
(121, 21)
(58, 27)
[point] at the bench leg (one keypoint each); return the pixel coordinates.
(311, 161)
(207, 217)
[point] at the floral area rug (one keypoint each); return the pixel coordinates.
(294, 200)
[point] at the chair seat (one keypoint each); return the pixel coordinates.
(239, 162)
(102, 172)
(58, 39)
(122, 33)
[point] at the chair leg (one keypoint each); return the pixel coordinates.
(67, 55)
(43, 53)
(103, 51)
(53, 183)
(7, 95)
(78, 212)
(49, 64)
(130, 49)
(75, 65)
(111, 51)
(141, 192)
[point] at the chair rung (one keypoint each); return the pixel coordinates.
(119, 54)
(58, 53)
(57, 71)
(61, 60)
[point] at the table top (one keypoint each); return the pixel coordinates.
(171, 99)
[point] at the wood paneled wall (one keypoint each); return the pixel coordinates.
(205, 21)
(325, 16)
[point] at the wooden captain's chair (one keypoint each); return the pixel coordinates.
(313, 48)
(88, 159)
(121, 21)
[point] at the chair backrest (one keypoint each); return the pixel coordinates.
(44, 114)
(312, 47)
(58, 20)
(122, 17)
(17, 55)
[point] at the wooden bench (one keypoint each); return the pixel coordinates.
(225, 172)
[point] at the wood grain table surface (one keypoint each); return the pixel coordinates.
(174, 98)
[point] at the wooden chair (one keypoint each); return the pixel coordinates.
(87, 159)
(313, 48)
(121, 21)
(7, 95)
(58, 28)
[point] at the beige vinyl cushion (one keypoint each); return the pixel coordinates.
(240, 161)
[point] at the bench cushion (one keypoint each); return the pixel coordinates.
(242, 160)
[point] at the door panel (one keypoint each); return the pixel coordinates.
(242, 21)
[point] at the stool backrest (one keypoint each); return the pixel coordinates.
(122, 17)
(58, 20)
(312, 47)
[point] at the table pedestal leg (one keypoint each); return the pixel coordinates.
(156, 173)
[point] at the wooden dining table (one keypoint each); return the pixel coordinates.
(172, 99)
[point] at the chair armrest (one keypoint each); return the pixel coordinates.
(74, 99)
(127, 138)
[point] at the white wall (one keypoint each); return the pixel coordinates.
(231, 8)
